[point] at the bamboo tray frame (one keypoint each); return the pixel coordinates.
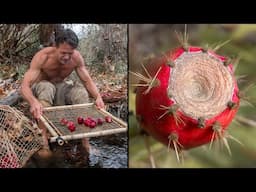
(58, 136)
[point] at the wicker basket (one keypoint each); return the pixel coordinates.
(19, 138)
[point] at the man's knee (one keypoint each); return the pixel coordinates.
(45, 103)
(79, 95)
(45, 91)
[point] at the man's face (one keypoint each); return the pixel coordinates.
(65, 52)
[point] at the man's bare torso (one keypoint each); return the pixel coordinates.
(52, 70)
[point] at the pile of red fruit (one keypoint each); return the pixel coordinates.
(88, 121)
(70, 124)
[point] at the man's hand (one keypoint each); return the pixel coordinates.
(99, 103)
(36, 108)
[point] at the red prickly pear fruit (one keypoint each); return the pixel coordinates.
(108, 119)
(80, 120)
(92, 124)
(71, 126)
(95, 121)
(87, 122)
(100, 121)
(63, 121)
(186, 97)
(70, 123)
(89, 118)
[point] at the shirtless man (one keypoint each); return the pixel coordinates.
(44, 83)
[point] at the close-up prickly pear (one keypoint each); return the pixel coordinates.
(186, 97)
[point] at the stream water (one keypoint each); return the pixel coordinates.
(105, 152)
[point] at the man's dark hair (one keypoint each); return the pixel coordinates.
(66, 36)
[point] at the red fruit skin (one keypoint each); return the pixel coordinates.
(80, 120)
(87, 122)
(147, 108)
(100, 121)
(63, 121)
(95, 120)
(89, 118)
(92, 124)
(108, 119)
(71, 126)
(70, 123)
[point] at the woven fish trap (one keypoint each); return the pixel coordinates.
(53, 115)
(20, 138)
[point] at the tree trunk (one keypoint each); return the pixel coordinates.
(46, 34)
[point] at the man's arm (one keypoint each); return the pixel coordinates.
(29, 78)
(88, 82)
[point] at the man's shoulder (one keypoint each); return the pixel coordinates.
(77, 56)
(42, 56)
(77, 53)
(45, 52)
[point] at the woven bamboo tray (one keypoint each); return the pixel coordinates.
(60, 133)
